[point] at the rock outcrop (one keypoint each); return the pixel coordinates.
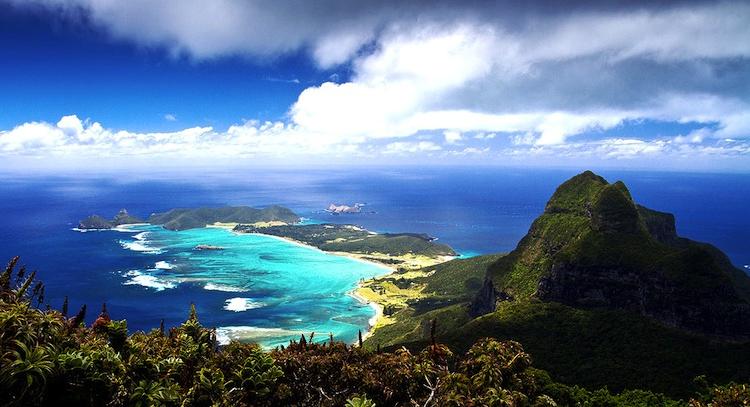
(94, 222)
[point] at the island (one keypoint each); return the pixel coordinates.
(207, 247)
(339, 209)
(96, 222)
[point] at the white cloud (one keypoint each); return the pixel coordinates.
(452, 136)
(403, 147)
(527, 138)
(170, 117)
(695, 136)
(89, 143)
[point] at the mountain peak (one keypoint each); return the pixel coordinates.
(614, 211)
(575, 194)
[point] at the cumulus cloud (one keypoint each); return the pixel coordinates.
(480, 76)
(452, 136)
(402, 147)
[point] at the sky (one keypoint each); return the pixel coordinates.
(93, 84)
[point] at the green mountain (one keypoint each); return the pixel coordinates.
(602, 291)
(181, 219)
(593, 247)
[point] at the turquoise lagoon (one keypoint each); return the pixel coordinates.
(263, 289)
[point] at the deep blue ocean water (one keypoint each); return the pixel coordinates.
(475, 210)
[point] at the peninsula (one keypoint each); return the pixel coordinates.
(403, 250)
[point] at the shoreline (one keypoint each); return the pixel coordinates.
(378, 308)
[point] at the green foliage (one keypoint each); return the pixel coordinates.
(457, 279)
(254, 379)
(730, 395)
(154, 393)
(360, 402)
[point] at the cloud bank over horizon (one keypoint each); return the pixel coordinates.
(449, 81)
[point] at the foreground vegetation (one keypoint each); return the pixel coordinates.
(48, 358)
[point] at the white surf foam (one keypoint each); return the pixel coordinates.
(239, 304)
(139, 246)
(126, 227)
(88, 230)
(163, 265)
(147, 280)
(222, 287)
(224, 334)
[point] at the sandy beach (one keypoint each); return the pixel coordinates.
(378, 308)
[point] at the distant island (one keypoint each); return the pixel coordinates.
(339, 209)
(96, 222)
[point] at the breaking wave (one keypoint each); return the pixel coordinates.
(147, 280)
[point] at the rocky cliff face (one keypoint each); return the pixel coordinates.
(716, 311)
(593, 247)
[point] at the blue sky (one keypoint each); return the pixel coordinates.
(226, 83)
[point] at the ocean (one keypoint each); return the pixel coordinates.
(268, 290)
